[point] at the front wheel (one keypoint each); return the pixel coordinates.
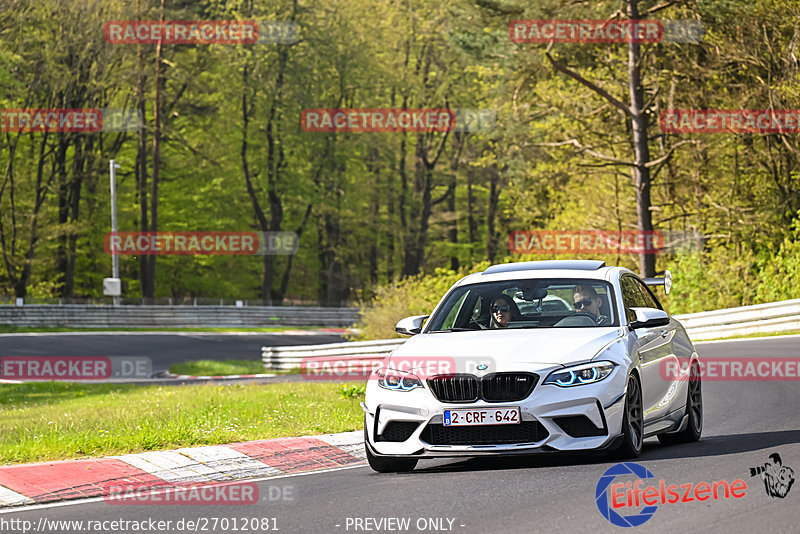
(386, 465)
(694, 409)
(632, 421)
(389, 465)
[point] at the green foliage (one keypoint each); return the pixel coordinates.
(720, 278)
(779, 277)
(359, 199)
(412, 296)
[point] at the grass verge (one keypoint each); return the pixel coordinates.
(226, 368)
(754, 335)
(56, 421)
(219, 368)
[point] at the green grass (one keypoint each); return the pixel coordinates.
(219, 368)
(762, 334)
(56, 421)
(225, 368)
(11, 329)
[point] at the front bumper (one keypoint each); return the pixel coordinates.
(553, 419)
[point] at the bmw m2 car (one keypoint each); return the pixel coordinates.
(534, 357)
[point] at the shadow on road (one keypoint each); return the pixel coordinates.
(710, 446)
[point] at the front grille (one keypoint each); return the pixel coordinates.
(495, 387)
(455, 388)
(397, 431)
(579, 426)
(524, 432)
(504, 387)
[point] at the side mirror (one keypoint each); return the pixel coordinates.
(410, 325)
(649, 318)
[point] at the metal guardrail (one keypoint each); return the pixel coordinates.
(290, 357)
(730, 322)
(81, 316)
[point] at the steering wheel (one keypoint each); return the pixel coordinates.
(569, 319)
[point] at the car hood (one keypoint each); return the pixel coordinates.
(529, 347)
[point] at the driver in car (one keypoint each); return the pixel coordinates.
(586, 300)
(503, 310)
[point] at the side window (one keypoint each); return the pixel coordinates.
(631, 296)
(450, 320)
(649, 298)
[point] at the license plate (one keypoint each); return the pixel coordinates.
(482, 416)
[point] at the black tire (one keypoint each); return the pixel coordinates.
(694, 409)
(632, 421)
(383, 464)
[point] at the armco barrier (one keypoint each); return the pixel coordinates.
(290, 357)
(83, 316)
(730, 322)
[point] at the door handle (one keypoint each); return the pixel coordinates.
(664, 333)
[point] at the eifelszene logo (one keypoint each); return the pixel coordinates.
(632, 495)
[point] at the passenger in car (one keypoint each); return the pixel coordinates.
(586, 300)
(503, 311)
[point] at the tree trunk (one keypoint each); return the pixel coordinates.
(159, 87)
(494, 196)
(641, 173)
(146, 286)
(472, 223)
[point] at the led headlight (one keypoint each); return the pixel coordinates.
(577, 375)
(397, 380)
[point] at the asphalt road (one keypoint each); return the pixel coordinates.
(163, 349)
(745, 422)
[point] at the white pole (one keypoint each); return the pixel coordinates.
(112, 167)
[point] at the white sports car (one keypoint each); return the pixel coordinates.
(503, 366)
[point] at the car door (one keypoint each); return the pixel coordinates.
(675, 353)
(652, 347)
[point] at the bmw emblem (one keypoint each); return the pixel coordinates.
(482, 367)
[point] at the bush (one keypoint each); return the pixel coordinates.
(417, 295)
(711, 280)
(779, 277)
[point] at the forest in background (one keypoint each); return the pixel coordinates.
(225, 150)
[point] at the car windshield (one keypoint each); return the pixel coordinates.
(530, 303)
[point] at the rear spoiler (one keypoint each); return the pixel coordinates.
(666, 281)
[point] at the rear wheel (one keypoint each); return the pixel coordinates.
(387, 465)
(694, 409)
(632, 421)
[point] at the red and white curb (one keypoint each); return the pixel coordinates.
(76, 479)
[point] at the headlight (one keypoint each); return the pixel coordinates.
(397, 380)
(587, 373)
